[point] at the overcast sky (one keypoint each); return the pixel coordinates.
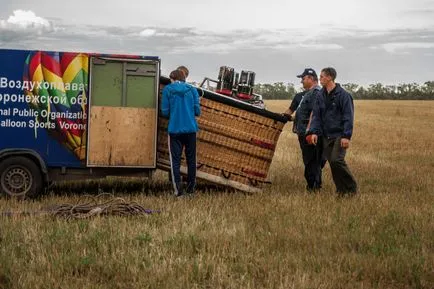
(367, 41)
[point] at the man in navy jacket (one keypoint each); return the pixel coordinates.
(332, 120)
(312, 155)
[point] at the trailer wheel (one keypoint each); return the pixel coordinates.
(20, 177)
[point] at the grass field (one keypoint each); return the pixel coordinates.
(282, 238)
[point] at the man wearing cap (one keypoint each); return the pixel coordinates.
(332, 121)
(312, 154)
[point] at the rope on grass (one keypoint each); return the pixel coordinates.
(94, 206)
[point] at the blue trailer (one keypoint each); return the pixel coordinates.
(66, 115)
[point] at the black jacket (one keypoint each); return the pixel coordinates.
(333, 114)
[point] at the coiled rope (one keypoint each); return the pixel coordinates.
(95, 206)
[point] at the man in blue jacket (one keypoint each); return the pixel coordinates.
(333, 119)
(185, 70)
(312, 154)
(181, 104)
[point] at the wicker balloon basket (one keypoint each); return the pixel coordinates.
(235, 142)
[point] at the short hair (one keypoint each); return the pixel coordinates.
(184, 70)
(177, 75)
(330, 71)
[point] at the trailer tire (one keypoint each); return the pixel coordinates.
(20, 177)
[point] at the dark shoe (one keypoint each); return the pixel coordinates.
(346, 195)
(191, 189)
(179, 191)
(190, 194)
(180, 195)
(313, 189)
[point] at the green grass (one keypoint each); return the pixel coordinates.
(281, 238)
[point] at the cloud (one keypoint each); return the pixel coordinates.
(269, 52)
(25, 20)
(320, 46)
(405, 46)
(32, 31)
(23, 25)
(147, 32)
(419, 12)
(422, 16)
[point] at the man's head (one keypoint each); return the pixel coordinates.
(177, 75)
(184, 70)
(327, 76)
(308, 78)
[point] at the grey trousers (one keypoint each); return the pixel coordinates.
(342, 176)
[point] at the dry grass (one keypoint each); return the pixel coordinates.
(282, 238)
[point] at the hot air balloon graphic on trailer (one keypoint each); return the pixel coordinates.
(59, 94)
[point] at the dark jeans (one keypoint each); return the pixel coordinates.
(177, 142)
(342, 177)
(313, 164)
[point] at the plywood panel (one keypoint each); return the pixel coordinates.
(121, 136)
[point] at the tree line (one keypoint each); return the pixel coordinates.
(409, 91)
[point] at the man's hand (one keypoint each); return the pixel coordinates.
(345, 143)
(312, 139)
(288, 116)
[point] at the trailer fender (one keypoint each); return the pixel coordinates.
(34, 156)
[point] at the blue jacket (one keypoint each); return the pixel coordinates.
(333, 114)
(304, 109)
(181, 104)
